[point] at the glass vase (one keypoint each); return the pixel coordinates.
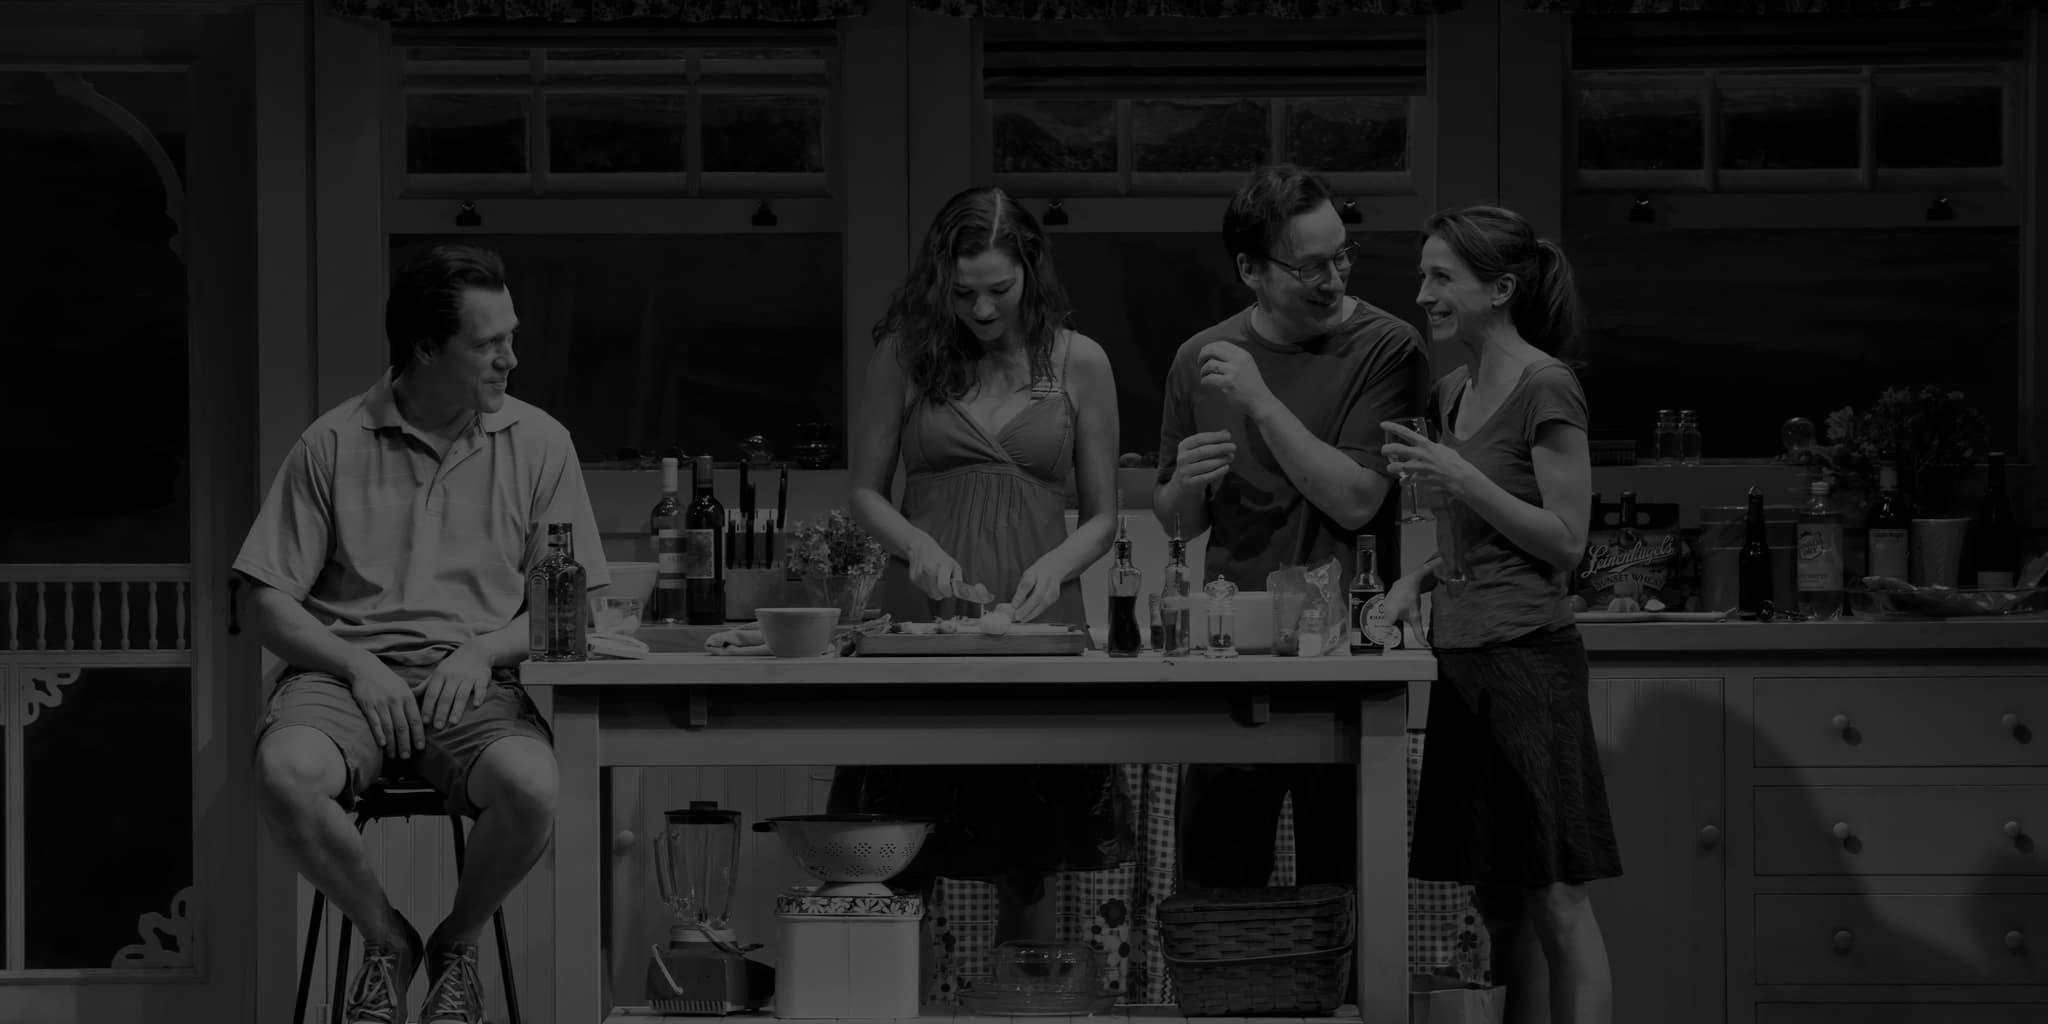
(848, 593)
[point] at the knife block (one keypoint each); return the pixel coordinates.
(749, 589)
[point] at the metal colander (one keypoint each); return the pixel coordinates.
(850, 847)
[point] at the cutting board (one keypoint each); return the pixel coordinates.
(955, 644)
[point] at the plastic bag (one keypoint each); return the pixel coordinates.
(1296, 588)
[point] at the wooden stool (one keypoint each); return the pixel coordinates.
(394, 797)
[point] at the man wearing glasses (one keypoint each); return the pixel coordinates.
(1270, 441)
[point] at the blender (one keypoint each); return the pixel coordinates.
(704, 970)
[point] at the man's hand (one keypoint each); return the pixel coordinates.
(458, 683)
(388, 704)
(1232, 373)
(1202, 458)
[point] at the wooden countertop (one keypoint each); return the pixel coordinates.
(1087, 667)
(2009, 634)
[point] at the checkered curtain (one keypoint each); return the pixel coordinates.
(1114, 909)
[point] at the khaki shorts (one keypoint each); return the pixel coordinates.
(324, 702)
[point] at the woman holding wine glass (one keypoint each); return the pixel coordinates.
(1511, 798)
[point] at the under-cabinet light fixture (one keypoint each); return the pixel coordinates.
(1941, 209)
(1640, 211)
(764, 216)
(466, 216)
(1055, 214)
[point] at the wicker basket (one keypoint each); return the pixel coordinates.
(1244, 952)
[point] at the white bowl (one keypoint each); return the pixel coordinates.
(632, 579)
(797, 632)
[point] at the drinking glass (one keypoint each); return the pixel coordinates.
(1411, 497)
(1454, 549)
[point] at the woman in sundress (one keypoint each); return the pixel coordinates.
(998, 413)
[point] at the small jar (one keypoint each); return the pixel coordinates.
(1311, 633)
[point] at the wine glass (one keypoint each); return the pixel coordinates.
(1411, 497)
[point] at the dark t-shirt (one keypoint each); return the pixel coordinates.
(1510, 592)
(1340, 385)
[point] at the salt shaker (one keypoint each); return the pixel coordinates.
(1222, 617)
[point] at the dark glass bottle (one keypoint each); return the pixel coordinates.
(1124, 583)
(1996, 538)
(1753, 564)
(703, 561)
(1891, 525)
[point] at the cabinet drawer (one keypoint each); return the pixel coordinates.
(1901, 939)
(1929, 721)
(1900, 830)
(1893, 1013)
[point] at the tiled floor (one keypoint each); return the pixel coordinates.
(1146, 1014)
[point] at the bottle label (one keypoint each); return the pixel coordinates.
(700, 554)
(1374, 625)
(668, 555)
(1820, 556)
(1888, 553)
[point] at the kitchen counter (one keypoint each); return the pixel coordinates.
(612, 718)
(2011, 633)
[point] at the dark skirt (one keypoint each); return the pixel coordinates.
(1511, 790)
(997, 820)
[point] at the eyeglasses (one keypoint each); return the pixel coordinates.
(1339, 263)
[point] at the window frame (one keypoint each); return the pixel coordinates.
(543, 77)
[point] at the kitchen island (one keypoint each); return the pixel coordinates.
(700, 709)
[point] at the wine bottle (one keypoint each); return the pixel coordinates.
(1995, 539)
(1891, 525)
(666, 525)
(1367, 628)
(703, 559)
(1753, 564)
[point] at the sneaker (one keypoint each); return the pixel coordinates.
(457, 995)
(376, 995)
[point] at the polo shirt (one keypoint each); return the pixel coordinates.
(410, 553)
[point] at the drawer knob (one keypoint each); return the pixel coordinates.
(1710, 837)
(1840, 723)
(2012, 830)
(2015, 941)
(1841, 830)
(1844, 941)
(622, 843)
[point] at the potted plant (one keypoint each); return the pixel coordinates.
(838, 560)
(1933, 433)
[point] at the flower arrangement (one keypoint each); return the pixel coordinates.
(1930, 432)
(834, 546)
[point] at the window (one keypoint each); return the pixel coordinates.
(1169, 107)
(681, 120)
(1142, 129)
(1835, 128)
(667, 218)
(1774, 218)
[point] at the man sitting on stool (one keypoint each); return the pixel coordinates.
(387, 569)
